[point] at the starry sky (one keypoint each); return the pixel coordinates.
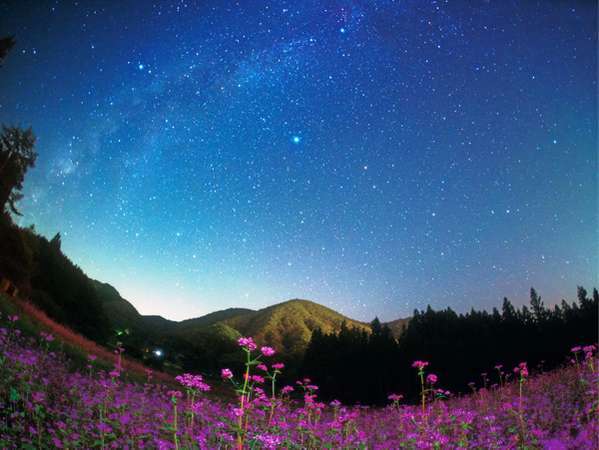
(374, 156)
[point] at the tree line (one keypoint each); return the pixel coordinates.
(355, 366)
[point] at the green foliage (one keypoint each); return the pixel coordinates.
(288, 326)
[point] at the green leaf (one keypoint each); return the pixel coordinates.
(14, 395)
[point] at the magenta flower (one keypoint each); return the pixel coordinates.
(262, 367)
(267, 351)
(287, 389)
(226, 374)
(522, 369)
(38, 397)
(395, 397)
(247, 343)
(576, 349)
(46, 336)
(278, 366)
(431, 378)
(175, 394)
(420, 365)
(194, 382)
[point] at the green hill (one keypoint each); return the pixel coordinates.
(288, 326)
(212, 318)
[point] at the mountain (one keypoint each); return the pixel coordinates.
(122, 314)
(397, 326)
(287, 326)
(212, 318)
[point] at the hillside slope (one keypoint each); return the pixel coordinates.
(289, 325)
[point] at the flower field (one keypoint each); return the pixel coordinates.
(44, 404)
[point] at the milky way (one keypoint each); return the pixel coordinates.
(373, 156)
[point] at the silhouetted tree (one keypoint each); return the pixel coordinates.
(6, 45)
(357, 367)
(17, 153)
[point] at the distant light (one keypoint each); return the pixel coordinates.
(296, 139)
(342, 30)
(158, 352)
(140, 66)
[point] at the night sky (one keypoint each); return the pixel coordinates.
(372, 156)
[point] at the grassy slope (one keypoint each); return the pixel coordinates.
(289, 325)
(33, 321)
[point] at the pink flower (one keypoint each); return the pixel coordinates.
(588, 349)
(47, 336)
(522, 369)
(278, 366)
(257, 379)
(92, 358)
(576, 349)
(38, 396)
(194, 382)
(247, 343)
(419, 364)
(262, 367)
(431, 378)
(175, 394)
(226, 374)
(267, 351)
(287, 389)
(395, 397)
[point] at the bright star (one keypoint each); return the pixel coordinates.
(296, 139)
(140, 66)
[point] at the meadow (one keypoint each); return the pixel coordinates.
(47, 403)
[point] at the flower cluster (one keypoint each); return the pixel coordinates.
(522, 370)
(247, 343)
(420, 365)
(47, 405)
(191, 381)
